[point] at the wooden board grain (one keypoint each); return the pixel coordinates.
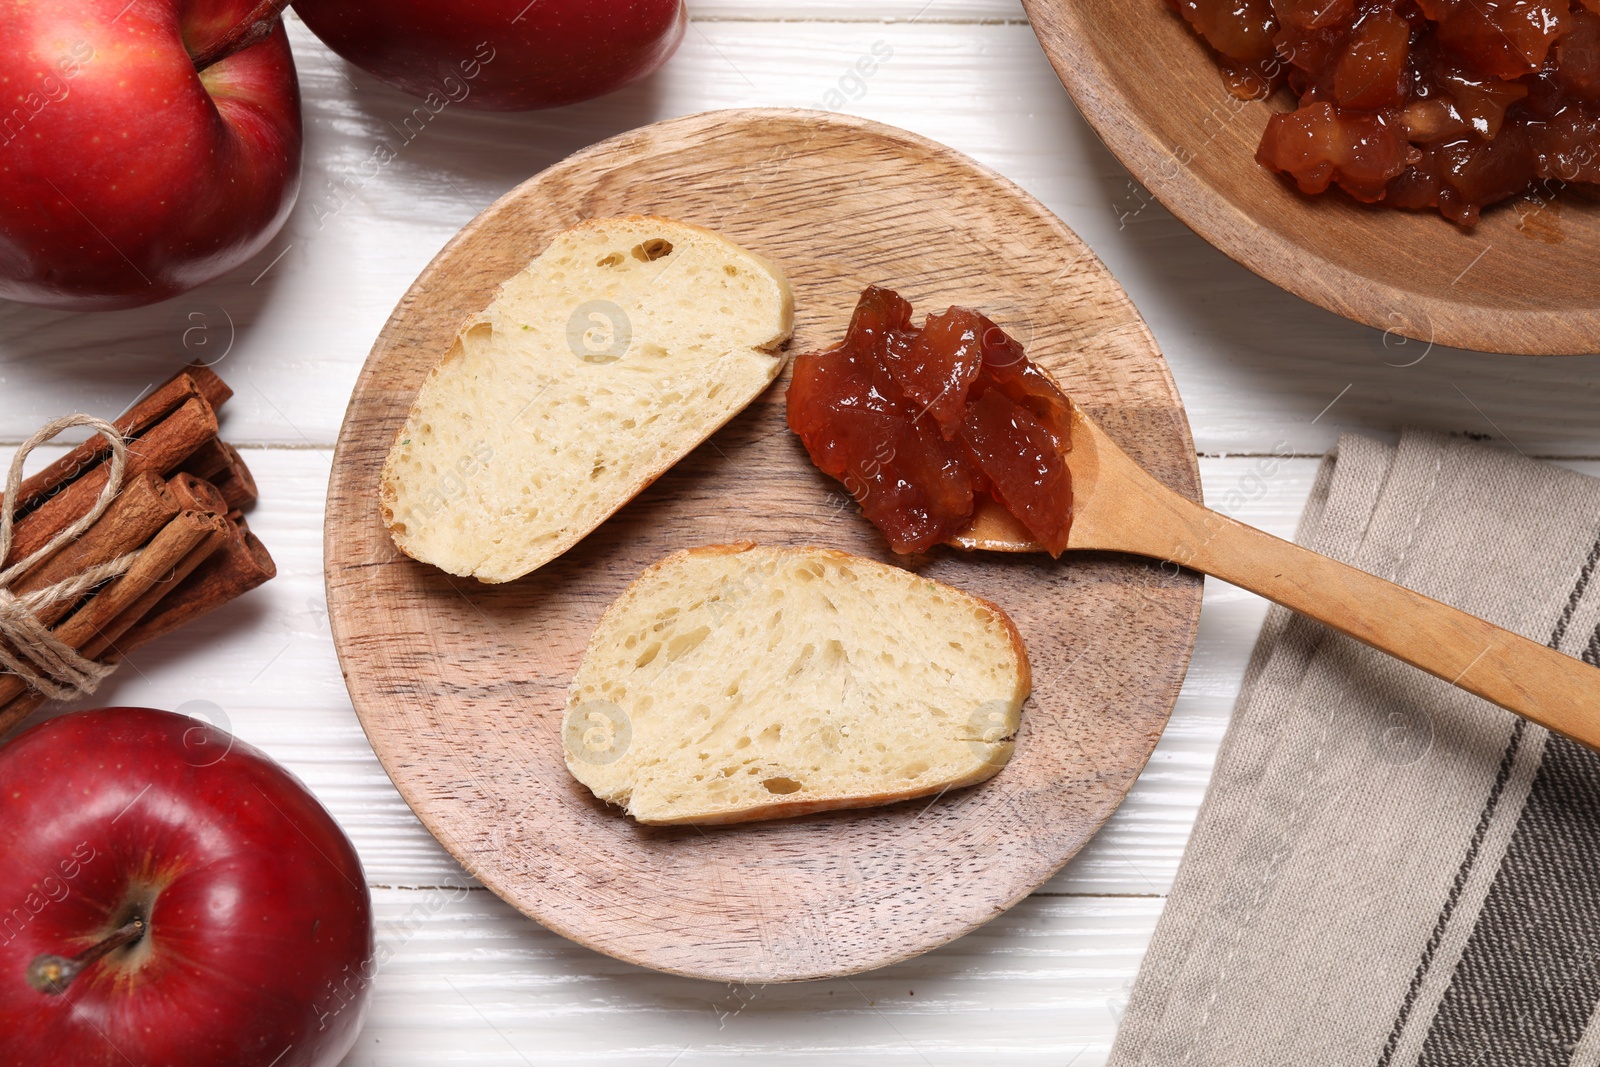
(460, 687)
(1523, 281)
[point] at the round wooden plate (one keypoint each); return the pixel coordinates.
(460, 686)
(1524, 281)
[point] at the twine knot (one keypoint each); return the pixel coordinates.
(27, 647)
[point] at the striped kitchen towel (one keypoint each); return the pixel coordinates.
(1386, 871)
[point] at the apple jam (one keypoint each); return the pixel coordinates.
(922, 424)
(1446, 104)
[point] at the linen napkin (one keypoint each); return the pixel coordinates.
(1386, 871)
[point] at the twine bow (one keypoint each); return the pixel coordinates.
(28, 648)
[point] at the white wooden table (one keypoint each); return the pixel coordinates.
(1270, 382)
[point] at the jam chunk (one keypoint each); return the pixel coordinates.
(1445, 104)
(1022, 461)
(937, 369)
(1240, 31)
(1502, 38)
(1318, 146)
(921, 424)
(1372, 73)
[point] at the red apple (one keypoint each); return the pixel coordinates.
(171, 896)
(500, 55)
(134, 165)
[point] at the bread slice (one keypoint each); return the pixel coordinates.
(734, 683)
(623, 346)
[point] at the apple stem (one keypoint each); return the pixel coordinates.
(49, 973)
(254, 28)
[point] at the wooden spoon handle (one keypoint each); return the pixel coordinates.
(1533, 680)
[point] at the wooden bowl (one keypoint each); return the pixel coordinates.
(1526, 280)
(461, 686)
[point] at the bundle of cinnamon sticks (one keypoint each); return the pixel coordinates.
(179, 508)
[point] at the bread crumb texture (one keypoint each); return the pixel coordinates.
(614, 354)
(734, 683)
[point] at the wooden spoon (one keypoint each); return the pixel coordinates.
(1118, 506)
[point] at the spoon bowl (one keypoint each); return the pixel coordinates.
(1524, 280)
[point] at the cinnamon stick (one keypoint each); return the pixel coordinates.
(163, 400)
(163, 446)
(207, 461)
(213, 388)
(105, 609)
(105, 639)
(220, 464)
(238, 566)
(102, 642)
(142, 508)
(196, 494)
(241, 564)
(238, 485)
(138, 419)
(19, 709)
